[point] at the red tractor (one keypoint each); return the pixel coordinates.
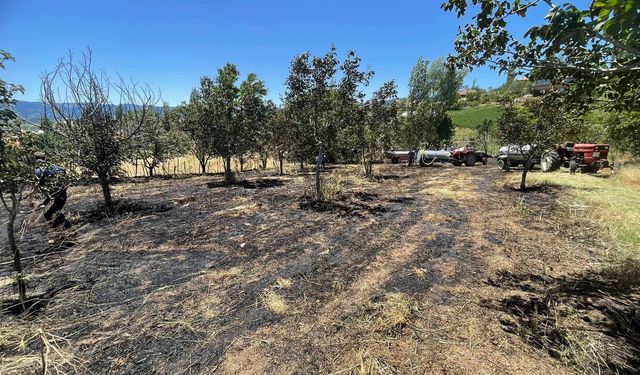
(468, 156)
(588, 158)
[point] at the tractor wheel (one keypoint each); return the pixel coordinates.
(503, 165)
(484, 160)
(470, 159)
(550, 161)
(573, 166)
(394, 160)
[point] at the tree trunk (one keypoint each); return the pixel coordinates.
(203, 166)
(301, 163)
(151, 171)
(280, 159)
(228, 175)
(17, 263)
(368, 168)
(524, 174)
(241, 160)
(263, 161)
(318, 162)
(106, 192)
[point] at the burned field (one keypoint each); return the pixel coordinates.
(420, 270)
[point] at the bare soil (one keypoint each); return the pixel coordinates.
(417, 271)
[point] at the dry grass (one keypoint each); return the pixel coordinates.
(449, 193)
(273, 301)
(395, 311)
(370, 364)
(41, 352)
(609, 202)
(333, 184)
(283, 283)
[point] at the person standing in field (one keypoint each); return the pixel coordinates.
(49, 181)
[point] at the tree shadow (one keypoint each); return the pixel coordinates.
(260, 183)
(358, 204)
(120, 207)
(554, 312)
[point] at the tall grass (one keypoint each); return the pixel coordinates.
(611, 202)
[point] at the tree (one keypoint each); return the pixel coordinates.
(593, 53)
(252, 112)
(231, 112)
(99, 133)
(265, 142)
(433, 90)
(309, 94)
(17, 165)
(483, 132)
(435, 83)
(277, 136)
(192, 121)
(532, 127)
(376, 132)
(158, 141)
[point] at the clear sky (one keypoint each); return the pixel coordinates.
(171, 44)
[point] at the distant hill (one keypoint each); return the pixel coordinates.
(471, 116)
(34, 111)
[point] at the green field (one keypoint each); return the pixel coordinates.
(471, 116)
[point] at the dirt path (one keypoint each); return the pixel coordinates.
(419, 271)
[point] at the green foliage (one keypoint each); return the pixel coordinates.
(533, 126)
(17, 164)
(374, 135)
(623, 129)
(433, 90)
(191, 120)
(517, 88)
(230, 115)
(435, 83)
(594, 51)
(253, 115)
(157, 141)
(310, 97)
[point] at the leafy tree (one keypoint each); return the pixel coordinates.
(17, 165)
(445, 129)
(252, 112)
(623, 128)
(532, 127)
(349, 112)
(375, 134)
(435, 83)
(231, 112)
(99, 133)
(157, 141)
(433, 89)
(192, 121)
(265, 141)
(594, 53)
(309, 95)
(278, 134)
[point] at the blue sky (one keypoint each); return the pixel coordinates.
(171, 44)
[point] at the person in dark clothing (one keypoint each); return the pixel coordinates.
(321, 159)
(55, 194)
(412, 156)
